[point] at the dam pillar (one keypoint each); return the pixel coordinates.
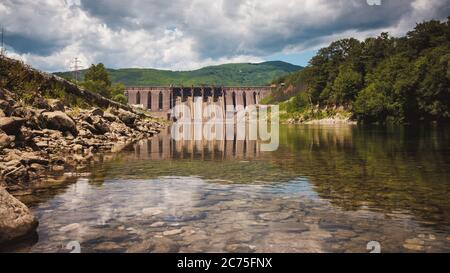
(239, 98)
(144, 98)
(249, 98)
(229, 104)
(166, 94)
(155, 100)
(132, 96)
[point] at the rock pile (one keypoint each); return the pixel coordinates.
(48, 136)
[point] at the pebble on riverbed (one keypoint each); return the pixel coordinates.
(151, 211)
(172, 232)
(158, 224)
(275, 216)
(414, 244)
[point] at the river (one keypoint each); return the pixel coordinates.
(325, 189)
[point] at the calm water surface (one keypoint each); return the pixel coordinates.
(326, 189)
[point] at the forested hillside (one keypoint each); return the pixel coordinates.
(402, 79)
(241, 74)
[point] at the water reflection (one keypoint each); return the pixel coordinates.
(163, 147)
(326, 189)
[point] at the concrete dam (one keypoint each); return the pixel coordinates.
(161, 100)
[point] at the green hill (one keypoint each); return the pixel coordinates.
(240, 74)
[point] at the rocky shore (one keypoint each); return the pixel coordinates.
(49, 136)
(326, 116)
(45, 135)
(325, 121)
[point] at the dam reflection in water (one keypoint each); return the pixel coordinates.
(163, 146)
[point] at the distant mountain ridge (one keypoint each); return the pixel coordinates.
(234, 74)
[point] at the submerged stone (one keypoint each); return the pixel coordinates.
(16, 220)
(172, 232)
(275, 216)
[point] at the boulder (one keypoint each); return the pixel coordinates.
(86, 118)
(126, 117)
(96, 112)
(23, 112)
(5, 140)
(100, 126)
(5, 107)
(11, 125)
(87, 126)
(109, 117)
(59, 121)
(41, 103)
(56, 105)
(16, 220)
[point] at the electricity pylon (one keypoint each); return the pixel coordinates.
(76, 68)
(2, 49)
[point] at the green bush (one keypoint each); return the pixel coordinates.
(120, 98)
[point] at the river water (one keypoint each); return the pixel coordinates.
(325, 189)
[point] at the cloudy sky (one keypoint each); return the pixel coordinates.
(189, 34)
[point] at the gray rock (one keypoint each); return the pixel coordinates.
(109, 117)
(59, 121)
(100, 126)
(158, 224)
(109, 247)
(151, 211)
(5, 140)
(41, 103)
(96, 112)
(77, 148)
(11, 125)
(240, 248)
(56, 105)
(126, 117)
(70, 227)
(172, 232)
(16, 219)
(275, 216)
(5, 106)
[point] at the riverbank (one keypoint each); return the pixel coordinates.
(319, 116)
(42, 133)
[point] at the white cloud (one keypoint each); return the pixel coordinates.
(182, 34)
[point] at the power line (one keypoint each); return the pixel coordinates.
(76, 67)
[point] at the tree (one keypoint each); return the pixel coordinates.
(433, 90)
(346, 86)
(96, 79)
(97, 73)
(371, 104)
